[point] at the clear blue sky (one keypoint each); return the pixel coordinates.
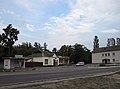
(59, 22)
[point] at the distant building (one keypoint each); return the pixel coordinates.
(106, 55)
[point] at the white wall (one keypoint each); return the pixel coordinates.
(50, 61)
(42, 59)
(98, 57)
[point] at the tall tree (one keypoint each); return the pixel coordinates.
(96, 42)
(118, 41)
(8, 38)
(45, 46)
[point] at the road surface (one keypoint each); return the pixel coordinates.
(23, 77)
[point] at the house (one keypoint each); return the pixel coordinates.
(14, 62)
(109, 54)
(44, 58)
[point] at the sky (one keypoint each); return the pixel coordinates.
(62, 22)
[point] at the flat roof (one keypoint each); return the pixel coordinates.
(16, 58)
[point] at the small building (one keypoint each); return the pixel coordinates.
(43, 58)
(106, 55)
(14, 62)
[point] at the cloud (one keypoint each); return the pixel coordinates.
(30, 27)
(85, 19)
(66, 31)
(8, 12)
(110, 31)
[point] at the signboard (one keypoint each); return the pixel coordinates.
(6, 64)
(18, 56)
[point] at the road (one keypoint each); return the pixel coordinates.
(52, 74)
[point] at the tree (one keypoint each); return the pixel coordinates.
(63, 50)
(36, 45)
(118, 41)
(24, 49)
(54, 50)
(76, 53)
(110, 42)
(8, 38)
(96, 42)
(45, 46)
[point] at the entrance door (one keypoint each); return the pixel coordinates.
(55, 62)
(106, 61)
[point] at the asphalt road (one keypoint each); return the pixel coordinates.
(52, 74)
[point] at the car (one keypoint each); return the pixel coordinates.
(80, 64)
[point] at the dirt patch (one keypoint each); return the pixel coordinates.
(101, 82)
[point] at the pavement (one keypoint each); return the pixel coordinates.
(52, 69)
(35, 83)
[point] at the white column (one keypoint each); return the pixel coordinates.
(24, 63)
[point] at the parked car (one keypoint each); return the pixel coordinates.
(80, 64)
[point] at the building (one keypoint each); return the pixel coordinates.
(14, 62)
(63, 60)
(106, 55)
(43, 58)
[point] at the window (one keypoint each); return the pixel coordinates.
(46, 61)
(16, 61)
(113, 60)
(108, 54)
(102, 54)
(113, 54)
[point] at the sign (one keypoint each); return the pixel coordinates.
(6, 64)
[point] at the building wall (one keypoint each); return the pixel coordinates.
(114, 57)
(42, 59)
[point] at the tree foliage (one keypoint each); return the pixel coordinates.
(76, 53)
(8, 38)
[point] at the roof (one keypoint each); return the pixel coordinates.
(63, 57)
(42, 54)
(22, 58)
(107, 49)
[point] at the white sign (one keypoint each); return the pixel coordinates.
(18, 56)
(6, 64)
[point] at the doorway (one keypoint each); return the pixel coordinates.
(106, 61)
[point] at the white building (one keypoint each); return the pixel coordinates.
(106, 55)
(43, 58)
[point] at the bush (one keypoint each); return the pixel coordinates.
(102, 64)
